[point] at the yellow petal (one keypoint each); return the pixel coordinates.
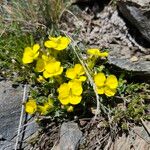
(40, 79)
(46, 74)
(28, 55)
(36, 47)
(59, 71)
(100, 79)
(104, 54)
(112, 82)
(70, 109)
(28, 50)
(63, 90)
(54, 39)
(79, 69)
(76, 87)
(31, 107)
(109, 92)
(70, 73)
(64, 101)
(100, 90)
(50, 44)
(27, 59)
(36, 55)
(53, 67)
(74, 100)
(65, 40)
(82, 78)
(93, 51)
(62, 43)
(40, 65)
(48, 59)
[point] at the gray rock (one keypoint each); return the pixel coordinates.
(118, 57)
(141, 2)
(136, 17)
(10, 108)
(70, 136)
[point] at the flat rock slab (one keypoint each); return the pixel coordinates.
(70, 136)
(141, 2)
(138, 138)
(136, 17)
(120, 56)
(10, 108)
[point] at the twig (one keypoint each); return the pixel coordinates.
(21, 118)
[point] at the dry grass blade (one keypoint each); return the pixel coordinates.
(21, 117)
(32, 14)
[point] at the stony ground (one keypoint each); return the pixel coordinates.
(10, 109)
(106, 29)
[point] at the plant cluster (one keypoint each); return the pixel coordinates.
(67, 79)
(59, 79)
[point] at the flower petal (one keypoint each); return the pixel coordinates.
(93, 51)
(112, 82)
(46, 74)
(104, 54)
(100, 79)
(62, 43)
(31, 107)
(27, 59)
(100, 90)
(76, 87)
(63, 90)
(109, 92)
(28, 50)
(59, 72)
(53, 67)
(82, 78)
(79, 69)
(50, 44)
(36, 47)
(64, 101)
(40, 65)
(70, 73)
(74, 100)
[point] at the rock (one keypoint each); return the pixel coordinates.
(134, 59)
(141, 2)
(137, 138)
(117, 58)
(133, 13)
(10, 108)
(70, 136)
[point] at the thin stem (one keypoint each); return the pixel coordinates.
(21, 118)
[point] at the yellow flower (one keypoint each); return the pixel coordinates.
(40, 79)
(31, 107)
(97, 52)
(70, 92)
(49, 66)
(30, 54)
(58, 43)
(76, 73)
(52, 69)
(46, 107)
(105, 85)
(70, 109)
(42, 62)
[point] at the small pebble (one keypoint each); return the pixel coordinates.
(134, 59)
